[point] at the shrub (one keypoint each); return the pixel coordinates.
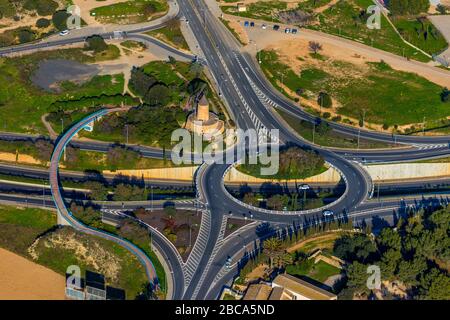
(42, 23)
(26, 35)
(326, 115)
(324, 100)
(96, 43)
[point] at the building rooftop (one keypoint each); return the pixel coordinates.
(303, 288)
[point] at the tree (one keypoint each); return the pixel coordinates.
(273, 248)
(26, 35)
(44, 149)
(441, 9)
(59, 19)
(324, 100)
(98, 190)
(123, 192)
(250, 199)
(390, 238)
(315, 47)
(121, 156)
(141, 82)
(96, 43)
(277, 202)
(42, 23)
(408, 7)
(389, 264)
(409, 271)
(358, 247)
(158, 95)
(445, 95)
(46, 7)
(357, 277)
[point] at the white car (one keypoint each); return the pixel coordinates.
(264, 27)
(304, 187)
(64, 33)
(287, 30)
(327, 213)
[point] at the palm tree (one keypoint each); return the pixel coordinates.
(273, 248)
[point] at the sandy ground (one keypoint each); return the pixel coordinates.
(87, 5)
(25, 280)
(339, 48)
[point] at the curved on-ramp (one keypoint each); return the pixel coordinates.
(66, 217)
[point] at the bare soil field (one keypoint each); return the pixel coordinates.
(25, 280)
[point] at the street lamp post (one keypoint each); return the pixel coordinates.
(151, 191)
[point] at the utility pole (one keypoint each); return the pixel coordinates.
(314, 130)
(126, 126)
(423, 126)
(43, 193)
(151, 188)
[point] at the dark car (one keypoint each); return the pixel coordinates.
(276, 27)
(252, 24)
(294, 31)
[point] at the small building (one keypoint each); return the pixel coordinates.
(299, 289)
(241, 7)
(258, 291)
(203, 122)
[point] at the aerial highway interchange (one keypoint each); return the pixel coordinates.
(251, 100)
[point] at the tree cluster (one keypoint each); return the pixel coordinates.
(416, 254)
(408, 7)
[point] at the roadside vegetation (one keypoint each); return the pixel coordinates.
(130, 12)
(127, 229)
(414, 258)
(32, 233)
(294, 163)
(171, 34)
(396, 98)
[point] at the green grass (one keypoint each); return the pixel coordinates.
(396, 97)
(342, 20)
(29, 217)
(133, 11)
(414, 31)
(319, 271)
(22, 104)
(172, 35)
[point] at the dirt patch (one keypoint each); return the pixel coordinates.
(322, 241)
(87, 5)
(25, 280)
